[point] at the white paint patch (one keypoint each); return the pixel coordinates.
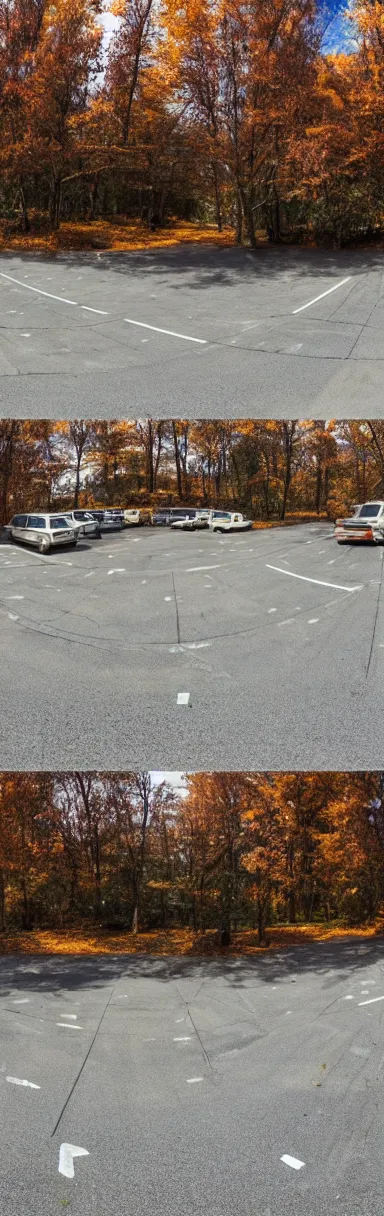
(183, 1039)
(289, 621)
(37, 289)
(68, 1025)
(372, 1001)
(348, 998)
(183, 698)
(67, 1154)
(170, 332)
(194, 569)
(271, 610)
(292, 1161)
(314, 620)
(167, 599)
(71, 1016)
(177, 1020)
(17, 1081)
(24, 1000)
(321, 297)
(194, 1080)
(319, 582)
(12, 616)
(117, 570)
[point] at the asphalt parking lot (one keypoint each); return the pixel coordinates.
(241, 1085)
(192, 332)
(273, 639)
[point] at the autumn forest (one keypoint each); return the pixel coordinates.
(231, 114)
(216, 851)
(275, 470)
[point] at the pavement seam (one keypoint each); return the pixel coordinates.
(81, 1069)
(376, 618)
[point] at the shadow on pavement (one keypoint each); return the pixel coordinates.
(43, 973)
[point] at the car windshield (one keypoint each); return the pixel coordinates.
(221, 514)
(58, 521)
(370, 510)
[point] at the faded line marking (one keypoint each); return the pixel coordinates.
(170, 332)
(98, 310)
(68, 1026)
(319, 582)
(194, 1080)
(194, 569)
(183, 1039)
(321, 297)
(17, 1081)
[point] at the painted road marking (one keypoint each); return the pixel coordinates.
(194, 569)
(194, 1080)
(66, 1157)
(72, 1016)
(117, 570)
(171, 333)
(98, 310)
(321, 297)
(183, 698)
(292, 1161)
(68, 1025)
(319, 582)
(23, 1001)
(16, 1081)
(38, 289)
(183, 1039)
(372, 1001)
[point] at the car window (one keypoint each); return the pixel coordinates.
(58, 521)
(370, 510)
(36, 521)
(19, 521)
(221, 514)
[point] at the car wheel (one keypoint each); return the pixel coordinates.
(44, 546)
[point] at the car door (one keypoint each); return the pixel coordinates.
(35, 528)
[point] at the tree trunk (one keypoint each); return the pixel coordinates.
(177, 461)
(55, 204)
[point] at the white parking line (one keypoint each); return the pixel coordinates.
(318, 581)
(100, 311)
(171, 333)
(372, 1001)
(321, 297)
(37, 289)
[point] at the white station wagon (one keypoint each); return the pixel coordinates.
(43, 531)
(228, 521)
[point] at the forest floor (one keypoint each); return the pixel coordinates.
(120, 236)
(88, 940)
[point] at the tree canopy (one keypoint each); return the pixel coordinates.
(272, 469)
(215, 110)
(229, 850)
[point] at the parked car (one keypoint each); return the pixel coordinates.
(43, 531)
(135, 516)
(88, 526)
(189, 523)
(170, 515)
(366, 524)
(109, 521)
(228, 521)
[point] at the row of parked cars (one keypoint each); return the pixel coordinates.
(45, 530)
